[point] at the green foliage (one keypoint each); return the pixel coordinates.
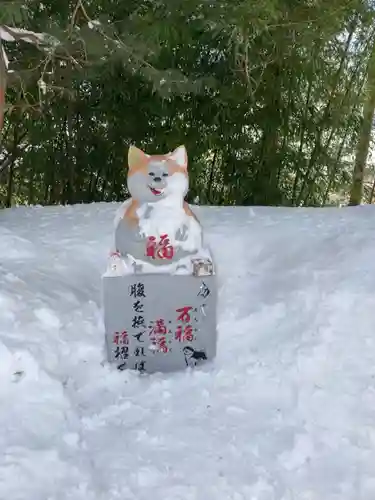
(267, 97)
(13, 13)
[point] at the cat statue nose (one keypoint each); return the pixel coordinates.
(157, 179)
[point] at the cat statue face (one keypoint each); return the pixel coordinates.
(153, 178)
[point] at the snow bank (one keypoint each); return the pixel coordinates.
(286, 411)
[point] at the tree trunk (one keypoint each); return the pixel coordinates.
(356, 191)
(3, 85)
(371, 197)
(8, 201)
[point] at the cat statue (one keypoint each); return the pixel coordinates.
(155, 229)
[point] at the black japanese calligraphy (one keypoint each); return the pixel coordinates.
(204, 291)
(137, 290)
(138, 307)
(138, 321)
(139, 335)
(140, 365)
(122, 352)
(139, 351)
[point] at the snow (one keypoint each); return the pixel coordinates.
(11, 34)
(286, 411)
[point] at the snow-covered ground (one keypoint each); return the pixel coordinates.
(286, 411)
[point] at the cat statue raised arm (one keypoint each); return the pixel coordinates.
(155, 229)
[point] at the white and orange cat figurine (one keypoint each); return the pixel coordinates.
(155, 229)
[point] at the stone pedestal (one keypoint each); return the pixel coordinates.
(160, 322)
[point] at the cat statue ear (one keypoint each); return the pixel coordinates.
(136, 157)
(180, 157)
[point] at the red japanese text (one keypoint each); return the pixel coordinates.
(121, 338)
(161, 250)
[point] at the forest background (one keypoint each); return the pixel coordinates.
(274, 99)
